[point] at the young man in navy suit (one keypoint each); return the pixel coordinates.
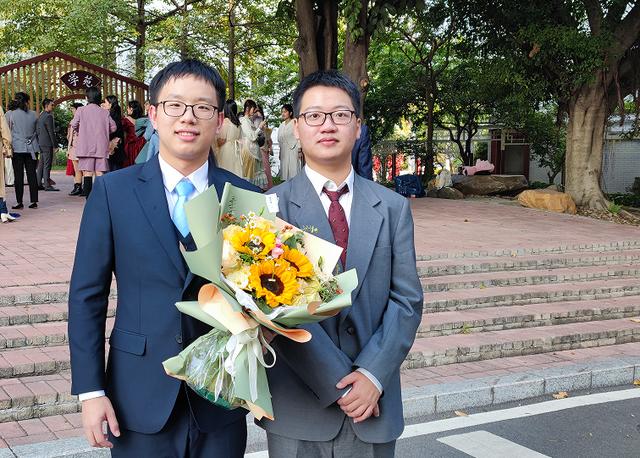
(133, 226)
(339, 394)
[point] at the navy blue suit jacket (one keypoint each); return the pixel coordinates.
(361, 154)
(126, 230)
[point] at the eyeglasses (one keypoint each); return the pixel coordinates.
(176, 109)
(317, 118)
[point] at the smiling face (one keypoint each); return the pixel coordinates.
(327, 148)
(185, 141)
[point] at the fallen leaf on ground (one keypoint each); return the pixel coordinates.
(636, 382)
(635, 320)
(561, 395)
(460, 413)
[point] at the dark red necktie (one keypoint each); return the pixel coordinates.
(338, 221)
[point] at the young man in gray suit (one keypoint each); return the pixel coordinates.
(339, 394)
(45, 130)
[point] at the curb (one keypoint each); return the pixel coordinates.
(420, 402)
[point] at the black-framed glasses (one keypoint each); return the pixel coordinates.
(175, 109)
(318, 118)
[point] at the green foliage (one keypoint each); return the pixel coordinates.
(548, 141)
(626, 200)
(538, 185)
(614, 208)
(60, 159)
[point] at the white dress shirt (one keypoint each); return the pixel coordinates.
(319, 182)
(170, 178)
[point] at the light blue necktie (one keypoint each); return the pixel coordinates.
(184, 188)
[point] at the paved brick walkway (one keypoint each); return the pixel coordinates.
(37, 256)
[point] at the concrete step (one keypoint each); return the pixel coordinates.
(38, 334)
(42, 293)
(463, 299)
(37, 396)
(509, 252)
(441, 267)
(40, 313)
(526, 316)
(529, 277)
(460, 348)
(27, 361)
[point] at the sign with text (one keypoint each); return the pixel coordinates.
(79, 79)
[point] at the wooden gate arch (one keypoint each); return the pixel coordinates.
(59, 76)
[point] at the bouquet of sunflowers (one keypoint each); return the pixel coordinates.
(264, 272)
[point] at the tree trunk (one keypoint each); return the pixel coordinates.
(141, 39)
(184, 35)
(327, 36)
(232, 50)
(305, 44)
(356, 52)
(585, 142)
(429, 159)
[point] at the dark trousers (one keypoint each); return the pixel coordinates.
(43, 171)
(22, 161)
(181, 438)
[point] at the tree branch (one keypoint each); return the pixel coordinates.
(594, 14)
(168, 14)
(627, 31)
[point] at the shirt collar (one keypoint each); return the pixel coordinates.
(318, 181)
(171, 177)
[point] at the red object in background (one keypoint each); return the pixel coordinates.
(70, 170)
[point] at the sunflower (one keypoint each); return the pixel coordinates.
(255, 242)
(299, 262)
(275, 281)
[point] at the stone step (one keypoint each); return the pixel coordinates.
(40, 313)
(442, 267)
(38, 334)
(460, 348)
(567, 248)
(463, 299)
(527, 316)
(27, 361)
(533, 277)
(37, 396)
(43, 293)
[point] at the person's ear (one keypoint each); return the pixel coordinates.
(153, 116)
(295, 129)
(220, 121)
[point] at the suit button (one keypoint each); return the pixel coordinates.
(351, 330)
(179, 338)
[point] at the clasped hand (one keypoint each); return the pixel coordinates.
(362, 399)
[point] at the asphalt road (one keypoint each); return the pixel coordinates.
(583, 429)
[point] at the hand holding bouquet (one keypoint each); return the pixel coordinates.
(263, 272)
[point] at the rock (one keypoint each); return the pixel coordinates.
(484, 185)
(548, 199)
(444, 179)
(445, 193)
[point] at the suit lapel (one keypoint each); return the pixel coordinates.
(364, 226)
(307, 210)
(152, 197)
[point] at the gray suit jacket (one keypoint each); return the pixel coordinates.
(23, 131)
(45, 129)
(375, 333)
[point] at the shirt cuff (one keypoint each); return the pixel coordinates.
(371, 377)
(90, 395)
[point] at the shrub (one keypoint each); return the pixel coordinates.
(626, 200)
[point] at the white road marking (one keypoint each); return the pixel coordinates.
(517, 412)
(483, 418)
(483, 444)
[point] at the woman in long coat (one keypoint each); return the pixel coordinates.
(290, 163)
(5, 151)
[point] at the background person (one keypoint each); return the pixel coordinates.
(24, 141)
(5, 152)
(227, 143)
(116, 138)
(72, 139)
(46, 132)
(94, 125)
(290, 162)
(132, 142)
(251, 156)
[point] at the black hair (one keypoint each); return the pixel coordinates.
(46, 102)
(94, 95)
(115, 111)
(136, 109)
(188, 67)
(231, 111)
(76, 105)
(327, 78)
(13, 105)
(22, 101)
(249, 104)
(289, 108)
